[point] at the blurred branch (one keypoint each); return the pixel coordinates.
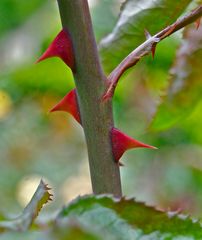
(146, 47)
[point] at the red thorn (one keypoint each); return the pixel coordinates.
(60, 47)
(121, 142)
(197, 23)
(153, 50)
(69, 104)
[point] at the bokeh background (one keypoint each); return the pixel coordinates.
(35, 144)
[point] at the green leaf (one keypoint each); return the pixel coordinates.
(135, 17)
(23, 222)
(29, 235)
(185, 88)
(70, 230)
(128, 219)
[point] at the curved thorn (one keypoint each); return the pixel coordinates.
(122, 142)
(153, 50)
(69, 104)
(60, 47)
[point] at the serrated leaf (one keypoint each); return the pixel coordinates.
(24, 221)
(119, 218)
(137, 15)
(185, 87)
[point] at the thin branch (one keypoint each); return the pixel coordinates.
(145, 48)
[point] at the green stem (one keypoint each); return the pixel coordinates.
(97, 118)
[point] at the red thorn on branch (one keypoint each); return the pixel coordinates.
(197, 23)
(60, 47)
(121, 142)
(153, 49)
(69, 104)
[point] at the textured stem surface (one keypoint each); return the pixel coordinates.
(90, 81)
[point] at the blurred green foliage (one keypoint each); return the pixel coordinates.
(14, 13)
